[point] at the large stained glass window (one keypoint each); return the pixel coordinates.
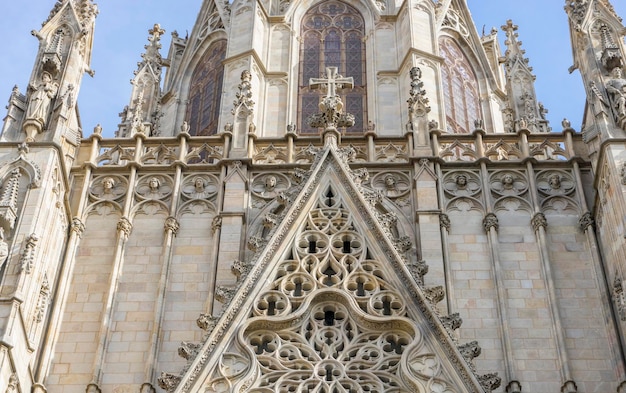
(460, 88)
(205, 91)
(332, 36)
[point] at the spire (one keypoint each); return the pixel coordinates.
(523, 111)
(48, 109)
(144, 113)
(599, 51)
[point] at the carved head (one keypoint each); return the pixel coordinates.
(508, 180)
(198, 183)
(108, 183)
(390, 181)
(270, 182)
(154, 184)
(555, 181)
(461, 181)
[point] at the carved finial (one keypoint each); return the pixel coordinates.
(331, 106)
(244, 95)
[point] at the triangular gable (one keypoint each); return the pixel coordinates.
(329, 306)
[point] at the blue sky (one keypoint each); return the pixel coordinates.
(122, 31)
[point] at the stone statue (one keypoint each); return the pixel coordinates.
(616, 88)
(41, 98)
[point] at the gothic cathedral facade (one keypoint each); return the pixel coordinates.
(316, 196)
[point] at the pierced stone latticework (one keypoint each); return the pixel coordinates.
(332, 318)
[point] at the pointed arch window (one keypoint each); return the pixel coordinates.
(332, 36)
(205, 91)
(460, 88)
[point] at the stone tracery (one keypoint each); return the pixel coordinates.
(330, 320)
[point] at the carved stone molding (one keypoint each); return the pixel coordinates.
(124, 227)
(168, 381)
(241, 269)
(403, 244)
(27, 258)
(490, 382)
(77, 226)
(216, 225)
(435, 294)
(255, 243)
(569, 387)
(188, 350)
(539, 221)
(13, 384)
(418, 270)
(207, 322)
(586, 221)
(43, 301)
(490, 221)
(470, 351)
(619, 297)
(444, 221)
(172, 225)
(224, 294)
(513, 387)
(452, 322)
(93, 388)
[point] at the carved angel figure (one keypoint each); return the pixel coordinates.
(461, 184)
(508, 184)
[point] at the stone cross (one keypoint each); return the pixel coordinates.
(332, 82)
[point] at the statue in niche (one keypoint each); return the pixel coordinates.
(40, 99)
(616, 89)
